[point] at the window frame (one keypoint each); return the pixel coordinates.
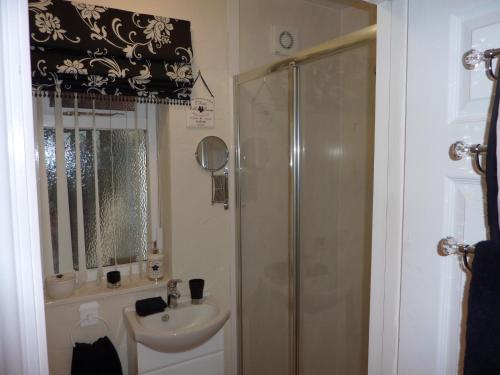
(145, 117)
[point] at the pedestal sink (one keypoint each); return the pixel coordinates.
(177, 329)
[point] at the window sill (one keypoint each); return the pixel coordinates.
(91, 291)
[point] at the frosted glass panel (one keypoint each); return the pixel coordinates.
(70, 157)
(88, 196)
(337, 125)
(123, 193)
(49, 136)
(264, 225)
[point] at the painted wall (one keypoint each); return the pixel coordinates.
(316, 21)
(202, 235)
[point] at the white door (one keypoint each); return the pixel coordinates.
(445, 103)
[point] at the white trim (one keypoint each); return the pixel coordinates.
(23, 348)
(377, 2)
(231, 356)
(388, 186)
(86, 119)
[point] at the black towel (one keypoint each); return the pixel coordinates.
(83, 359)
(482, 348)
(482, 356)
(150, 306)
(99, 358)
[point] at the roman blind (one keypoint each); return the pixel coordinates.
(96, 50)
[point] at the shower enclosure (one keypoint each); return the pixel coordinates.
(305, 169)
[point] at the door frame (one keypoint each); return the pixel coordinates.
(389, 164)
(22, 316)
(19, 216)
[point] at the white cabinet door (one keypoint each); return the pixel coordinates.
(212, 364)
(445, 103)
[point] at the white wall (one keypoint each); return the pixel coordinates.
(316, 21)
(202, 242)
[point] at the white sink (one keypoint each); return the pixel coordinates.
(177, 329)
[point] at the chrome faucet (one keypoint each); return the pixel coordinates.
(173, 294)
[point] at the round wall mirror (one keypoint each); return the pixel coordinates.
(212, 153)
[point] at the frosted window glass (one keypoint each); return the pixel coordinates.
(70, 157)
(88, 196)
(123, 193)
(49, 136)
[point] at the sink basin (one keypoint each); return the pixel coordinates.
(177, 329)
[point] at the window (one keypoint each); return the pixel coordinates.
(99, 205)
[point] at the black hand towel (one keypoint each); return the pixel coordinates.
(107, 360)
(150, 306)
(482, 348)
(482, 351)
(82, 362)
(99, 358)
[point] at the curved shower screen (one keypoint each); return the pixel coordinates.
(306, 135)
(263, 182)
(336, 166)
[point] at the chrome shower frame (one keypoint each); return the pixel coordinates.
(292, 64)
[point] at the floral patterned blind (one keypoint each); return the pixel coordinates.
(92, 49)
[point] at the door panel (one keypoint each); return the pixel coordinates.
(445, 103)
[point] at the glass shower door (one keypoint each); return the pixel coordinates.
(336, 101)
(264, 225)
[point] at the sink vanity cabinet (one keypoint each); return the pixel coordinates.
(207, 359)
(184, 340)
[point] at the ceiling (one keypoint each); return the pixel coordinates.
(341, 4)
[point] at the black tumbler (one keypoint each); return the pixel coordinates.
(196, 288)
(114, 279)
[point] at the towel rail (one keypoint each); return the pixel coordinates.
(89, 320)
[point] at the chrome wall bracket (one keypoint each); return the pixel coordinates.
(473, 58)
(450, 246)
(460, 150)
(220, 188)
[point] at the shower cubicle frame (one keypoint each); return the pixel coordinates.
(292, 64)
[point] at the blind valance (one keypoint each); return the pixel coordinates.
(93, 49)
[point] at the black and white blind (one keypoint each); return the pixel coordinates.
(96, 50)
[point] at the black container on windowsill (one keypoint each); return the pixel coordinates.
(114, 279)
(196, 288)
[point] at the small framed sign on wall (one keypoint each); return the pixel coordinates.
(201, 113)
